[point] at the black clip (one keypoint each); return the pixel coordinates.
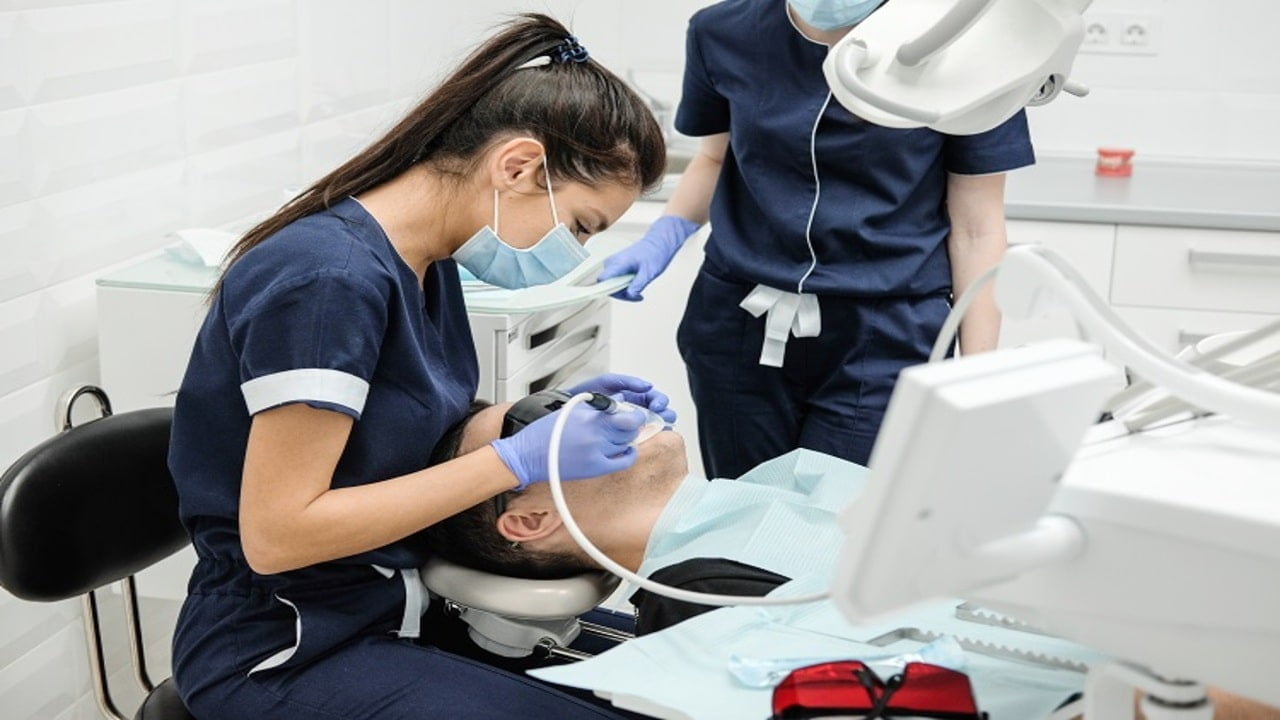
(570, 50)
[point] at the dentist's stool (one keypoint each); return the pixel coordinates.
(516, 617)
(89, 507)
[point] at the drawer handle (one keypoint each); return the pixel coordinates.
(1187, 338)
(1255, 261)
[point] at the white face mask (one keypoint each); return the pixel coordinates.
(492, 260)
(834, 14)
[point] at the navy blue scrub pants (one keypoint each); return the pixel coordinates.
(832, 390)
(372, 676)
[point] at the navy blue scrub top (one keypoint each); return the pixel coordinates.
(324, 312)
(880, 222)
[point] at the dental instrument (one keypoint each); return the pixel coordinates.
(975, 64)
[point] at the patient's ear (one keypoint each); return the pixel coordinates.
(520, 525)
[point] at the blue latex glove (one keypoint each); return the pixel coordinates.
(594, 443)
(648, 256)
(629, 388)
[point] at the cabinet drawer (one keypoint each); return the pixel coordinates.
(1087, 247)
(532, 339)
(1176, 329)
(1197, 269)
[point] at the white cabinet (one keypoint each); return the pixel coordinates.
(1176, 329)
(1197, 269)
(1177, 285)
(145, 338)
(522, 353)
(1174, 286)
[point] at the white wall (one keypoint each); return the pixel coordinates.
(121, 120)
(1211, 93)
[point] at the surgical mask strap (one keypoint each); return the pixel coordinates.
(555, 219)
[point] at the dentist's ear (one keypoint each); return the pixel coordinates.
(519, 525)
(516, 165)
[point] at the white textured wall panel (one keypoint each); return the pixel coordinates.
(23, 267)
(17, 170)
(11, 92)
(27, 625)
(243, 180)
(328, 143)
(106, 135)
(244, 103)
(418, 59)
(20, 363)
(235, 33)
(345, 63)
(98, 225)
(86, 49)
(67, 324)
(57, 666)
(26, 416)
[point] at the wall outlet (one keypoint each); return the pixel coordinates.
(1121, 34)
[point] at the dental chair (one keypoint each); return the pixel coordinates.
(516, 617)
(92, 506)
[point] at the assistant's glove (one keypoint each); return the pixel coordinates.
(630, 389)
(594, 443)
(648, 256)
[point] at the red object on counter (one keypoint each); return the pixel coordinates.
(1114, 162)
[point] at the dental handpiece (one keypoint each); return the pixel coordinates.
(653, 422)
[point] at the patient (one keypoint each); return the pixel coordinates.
(619, 513)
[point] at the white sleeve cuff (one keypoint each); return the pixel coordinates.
(314, 384)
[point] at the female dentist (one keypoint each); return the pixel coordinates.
(336, 352)
(848, 236)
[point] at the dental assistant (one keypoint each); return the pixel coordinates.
(336, 352)
(836, 245)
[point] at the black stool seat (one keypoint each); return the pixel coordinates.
(164, 704)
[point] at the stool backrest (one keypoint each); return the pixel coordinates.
(89, 506)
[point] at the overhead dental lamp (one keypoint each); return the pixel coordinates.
(960, 67)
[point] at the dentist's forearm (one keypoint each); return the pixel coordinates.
(347, 521)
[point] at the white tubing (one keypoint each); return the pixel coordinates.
(1181, 379)
(557, 495)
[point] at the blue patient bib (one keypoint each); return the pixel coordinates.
(780, 516)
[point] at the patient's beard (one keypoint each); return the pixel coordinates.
(661, 465)
(629, 502)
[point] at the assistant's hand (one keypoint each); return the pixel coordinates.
(648, 256)
(632, 389)
(594, 443)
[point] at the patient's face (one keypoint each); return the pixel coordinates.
(661, 461)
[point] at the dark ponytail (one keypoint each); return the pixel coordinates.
(595, 128)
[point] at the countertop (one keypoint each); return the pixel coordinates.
(1161, 192)
(1233, 197)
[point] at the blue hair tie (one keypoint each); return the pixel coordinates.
(570, 50)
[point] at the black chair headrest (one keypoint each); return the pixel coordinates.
(88, 507)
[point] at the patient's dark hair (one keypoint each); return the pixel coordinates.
(471, 537)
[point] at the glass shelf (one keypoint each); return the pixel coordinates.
(166, 272)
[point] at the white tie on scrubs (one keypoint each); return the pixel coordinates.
(787, 314)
